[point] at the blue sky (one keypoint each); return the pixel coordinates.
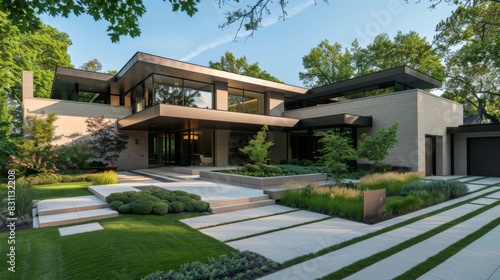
(278, 47)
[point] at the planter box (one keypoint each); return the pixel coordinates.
(292, 181)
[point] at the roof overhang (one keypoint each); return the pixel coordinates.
(141, 65)
(474, 128)
(404, 75)
(66, 79)
(172, 117)
(336, 121)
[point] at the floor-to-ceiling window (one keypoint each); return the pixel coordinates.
(245, 101)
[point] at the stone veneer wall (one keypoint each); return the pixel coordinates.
(417, 112)
(71, 126)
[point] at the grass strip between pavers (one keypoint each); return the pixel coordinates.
(448, 252)
(278, 229)
(378, 232)
(249, 219)
(361, 264)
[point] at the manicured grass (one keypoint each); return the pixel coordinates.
(392, 182)
(129, 247)
(61, 190)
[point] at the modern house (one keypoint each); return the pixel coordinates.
(176, 113)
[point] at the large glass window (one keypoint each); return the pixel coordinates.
(176, 91)
(245, 101)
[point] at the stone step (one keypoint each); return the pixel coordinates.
(70, 204)
(241, 206)
(76, 217)
(239, 201)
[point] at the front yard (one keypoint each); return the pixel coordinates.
(129, 247)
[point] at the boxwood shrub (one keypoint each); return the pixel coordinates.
(240, 265)
(158, 202)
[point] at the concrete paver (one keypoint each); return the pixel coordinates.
(65, 231)
(469, 178)
(245, 228)
(488, 181)
(474, 187)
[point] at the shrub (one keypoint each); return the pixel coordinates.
(272, 169)
(427, 199)
(438, 197)
(44, 178)
(200, 206)
(115, 205)
(450, 189)
(104, 178)
(392, 182)
(284, 161)
(74, 178)
(24, 198)
(160, 208)
(251, 168)
(141, 206)
(306, 162)
(176, 207)
(240, 265)
(125, 209)
(294, 161)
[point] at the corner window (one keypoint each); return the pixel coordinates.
(245, 101)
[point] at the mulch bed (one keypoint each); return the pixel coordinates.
(23, 226)
(149, 188)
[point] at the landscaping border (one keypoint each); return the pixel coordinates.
(291, 181)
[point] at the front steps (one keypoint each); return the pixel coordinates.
(72, 210)
(240, 204)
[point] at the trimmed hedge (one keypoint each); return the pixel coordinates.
(158, 202)
(240, 265)
(450, 189)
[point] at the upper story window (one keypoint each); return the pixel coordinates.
(159, 89)
(245, 101)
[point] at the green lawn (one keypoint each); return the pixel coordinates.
(61, 190)
(129, 247)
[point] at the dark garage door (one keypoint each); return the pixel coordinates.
(483, 156)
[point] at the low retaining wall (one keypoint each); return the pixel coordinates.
(292, 181)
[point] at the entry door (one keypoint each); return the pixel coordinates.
(430, 156)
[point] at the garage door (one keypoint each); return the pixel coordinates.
(483, 156)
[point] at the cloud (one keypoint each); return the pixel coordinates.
(229, 38)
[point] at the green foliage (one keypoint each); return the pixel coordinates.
(328, 63)
(339, 201)
(294, 161)
(40, 129)
(24, 198)
(450, 189)
(377, 148)
(106, 140)
(272, 169)
(284, 161)
(176, 207)
(104, 178)
(44, 178)
(230, 63)
(258, 148)
(158, 202)
(335, 152)
(240, 265)
(415, 200)
(115, 205)
(125, 209)
(392, 182)
(306, 162)
(160, 208)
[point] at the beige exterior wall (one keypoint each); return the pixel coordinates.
(279, 150)
(221, 147)
(461, 149)
(276, 104)
(221, 96)
(70, 125)
(417, 112)
(435, 114)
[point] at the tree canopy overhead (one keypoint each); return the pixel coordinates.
(123, 16)
(228, 62)
(328, 63)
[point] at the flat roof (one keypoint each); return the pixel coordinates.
(141, 65)
(173, 117)
(472, 128)
(65, 80)
(335, 121)
(403, 74)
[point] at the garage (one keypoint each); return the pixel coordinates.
(483, 156)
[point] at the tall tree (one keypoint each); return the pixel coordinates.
(326, 64)
(123, 16)
(40, 52)
(228, 62)
(470, 40)
(329, 63)
(92, 65)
